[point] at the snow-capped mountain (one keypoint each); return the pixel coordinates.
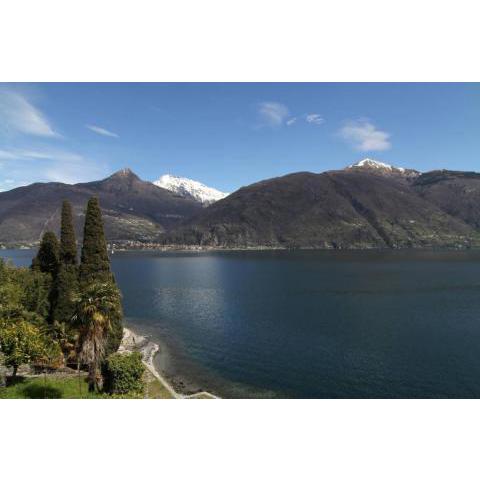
(186, 187)
(380, 167)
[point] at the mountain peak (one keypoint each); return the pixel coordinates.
(124, 172)
(380, 167)
(185, 187)
(371, 163)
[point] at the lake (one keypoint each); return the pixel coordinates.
(364, 324)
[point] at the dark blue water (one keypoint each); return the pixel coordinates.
(310, 324)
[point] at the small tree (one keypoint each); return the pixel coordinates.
(21, 343)
(96, 305)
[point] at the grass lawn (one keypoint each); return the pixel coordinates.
(49, 387)
(70, 387)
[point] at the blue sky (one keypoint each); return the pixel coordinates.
(229, 135)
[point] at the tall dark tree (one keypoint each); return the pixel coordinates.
(95, 264)
(95, 268)
(47, 261)
(67, 279)
(47, 258)
(68, 242)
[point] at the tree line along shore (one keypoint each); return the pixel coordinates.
(63, 314)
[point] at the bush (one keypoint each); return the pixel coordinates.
(123, 373)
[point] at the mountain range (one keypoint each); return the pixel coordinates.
(132, 208)
(369, 204)
(366, 205)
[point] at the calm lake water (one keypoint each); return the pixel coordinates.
(309, 324)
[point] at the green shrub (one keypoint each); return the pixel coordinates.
(123, 373)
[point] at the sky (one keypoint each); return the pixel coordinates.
(228, 135)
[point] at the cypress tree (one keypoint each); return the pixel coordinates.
(95, 266)
(67, 279)
(47, 261)
(47, 258)
(68, 243)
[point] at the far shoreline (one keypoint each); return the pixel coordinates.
(132, 246)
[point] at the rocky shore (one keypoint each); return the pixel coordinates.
(133, 342)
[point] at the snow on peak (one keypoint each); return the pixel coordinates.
(370, 163)
(124, 172)
(381, 167)
(190, 188)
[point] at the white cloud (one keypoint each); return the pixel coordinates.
(49, 165)
(275, 115)
(17, 114)
(6, 155)
(101, 131)
(314, 118)
(48, 154)
(364, 136)
(272, 114)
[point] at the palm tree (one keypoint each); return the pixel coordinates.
(96, 306)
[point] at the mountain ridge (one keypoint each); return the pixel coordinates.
(365, 205)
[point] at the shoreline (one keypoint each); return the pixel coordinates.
(134, 342)
(131, 246)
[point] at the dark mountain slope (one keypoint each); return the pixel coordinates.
(132, 209)
(457, 193)
(400, 216)
(299, 209)
(351, 208)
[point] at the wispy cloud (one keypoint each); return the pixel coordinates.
(101, 131)
(17, 114)
(41, 154)
(272, 114)
(314, 118)
(276, 115)
(365, 136)
(24, 166)
(7, 155)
